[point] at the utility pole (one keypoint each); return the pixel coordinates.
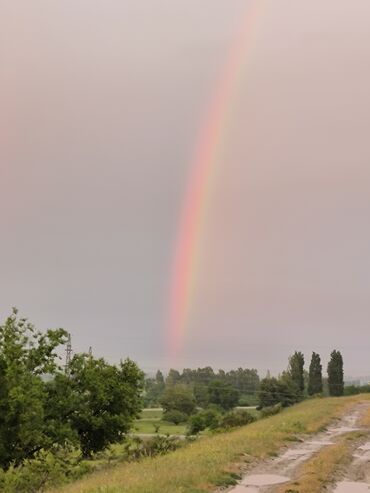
(68, 353)
(90, 352)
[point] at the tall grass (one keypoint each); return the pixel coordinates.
(212, 461)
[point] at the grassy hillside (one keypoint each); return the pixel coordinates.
(200, 466)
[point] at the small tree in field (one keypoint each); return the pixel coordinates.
(178, 398)
(335, 374)
(315, 385)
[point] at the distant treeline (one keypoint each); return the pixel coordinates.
(245, 382)
(247, 388)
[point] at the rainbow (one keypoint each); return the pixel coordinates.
(197, 196)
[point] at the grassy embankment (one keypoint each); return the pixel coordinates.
(201, 466)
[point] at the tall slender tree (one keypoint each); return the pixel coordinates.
(335, 374)
(315, 375)
(296, 365)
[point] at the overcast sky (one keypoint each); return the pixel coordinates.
(100, 106)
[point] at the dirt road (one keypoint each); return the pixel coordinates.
(285, 468)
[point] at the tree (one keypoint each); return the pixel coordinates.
(109, 400)
(173, 377)
(222, 394)
(335, 374)
(25, 355)
(178, 398)
(159, 378)
(296, 370)
(154, 388)
(315, 375)
(274, 391)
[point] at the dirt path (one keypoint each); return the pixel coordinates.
(356, 478)
(283, 468)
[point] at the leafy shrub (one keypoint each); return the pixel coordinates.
(175, 417)
(236, 418)
(196, 424)
(137, 448)
(271, 410)
(47, 469)
(208, 418)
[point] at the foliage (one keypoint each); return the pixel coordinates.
(208, 418)
(248, 400)
(178, 398)
(196, 424)
(315, 384)
(296, 372)
(245, 381)
(174, 416)
(45, 470)
(335, 374)
(25, 355)
(201, 394)
(173, 377)
(238, 417)
(274, 391)
(222, 394)
(109, 400)
(356, 389)
(137, 448)
(153, 389)
(271, 410)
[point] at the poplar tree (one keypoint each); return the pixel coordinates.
(296, 365)
(335, 374)
(315, 375)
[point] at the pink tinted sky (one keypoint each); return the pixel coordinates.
(100, 107)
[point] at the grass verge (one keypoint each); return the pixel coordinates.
(213, 461)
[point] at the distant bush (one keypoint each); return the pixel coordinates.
(232, 419)
(356, 389)
(196, 424)
(208, 418)
(175, 417)
(137, 448)
(271, 410)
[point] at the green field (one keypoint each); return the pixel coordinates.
(211, 461)
(150, 418)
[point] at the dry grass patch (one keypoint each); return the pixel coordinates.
(201, 466)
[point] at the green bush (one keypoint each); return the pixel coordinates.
(196, 424)
(271, 410)
(208, 418)
(236, 418)
(175, 417)
(47, 469)
(137, 448)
